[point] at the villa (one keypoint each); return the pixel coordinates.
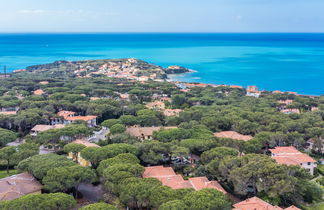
(40, 128)
(172, 112)
(144, 133)
(169, 178)
(290, 111)
(291, 156)
(256, 203)
(286, 102)
(68, 117)
(253, 91)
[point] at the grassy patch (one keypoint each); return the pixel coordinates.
(4, 174)
(319, 206)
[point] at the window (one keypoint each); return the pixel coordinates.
(308, 163)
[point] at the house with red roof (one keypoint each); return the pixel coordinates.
(256, 203)
(172, 112)
(68, 117)
(40, 128)
(38, 92)
(290, 111)
(253, 91)
(233, 135)
(291, 156)
(169, 178)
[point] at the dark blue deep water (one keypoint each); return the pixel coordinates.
(289, 62)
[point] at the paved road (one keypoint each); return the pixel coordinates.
(100, 135)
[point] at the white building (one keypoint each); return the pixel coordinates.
(291, 156)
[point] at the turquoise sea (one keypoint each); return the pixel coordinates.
(289, 62)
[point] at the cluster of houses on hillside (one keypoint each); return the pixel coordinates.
(159, 105)
(125, 69)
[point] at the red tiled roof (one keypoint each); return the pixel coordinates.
(40, 128)
(199, 183)
(255, 203)
(290, 111)
(293, 159)
(64, 113)
(39, 92)
(85, 143)
(172, 112)
(9, 113)
(290, 156)
(84, 118)
(233, 135)
(169, 178)
(43, 82)
(284, 150)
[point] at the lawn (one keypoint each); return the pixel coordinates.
(319, 206)
(4, 174)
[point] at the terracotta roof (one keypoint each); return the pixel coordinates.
(295, 159)
(284, 150)
(146, 131)
(40, 128)
(199, 183)
(287, 102)
(39, 92)
(15, 186)
(166, 99)
(9, 113)
(277, 91)
(64, 113)
(85, 143)
(233, 135)
(84, 118)
(290, 111)
(290, 156)
(255, 203)
(235, 86)
(172, 112)
(44, 82)
(169, 178)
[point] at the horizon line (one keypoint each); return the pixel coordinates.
(82, 32)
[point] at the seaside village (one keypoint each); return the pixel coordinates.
(192, 165)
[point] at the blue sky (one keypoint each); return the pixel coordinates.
(162, 16)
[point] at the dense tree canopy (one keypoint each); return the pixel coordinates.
(39, 165)
(52, 201)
